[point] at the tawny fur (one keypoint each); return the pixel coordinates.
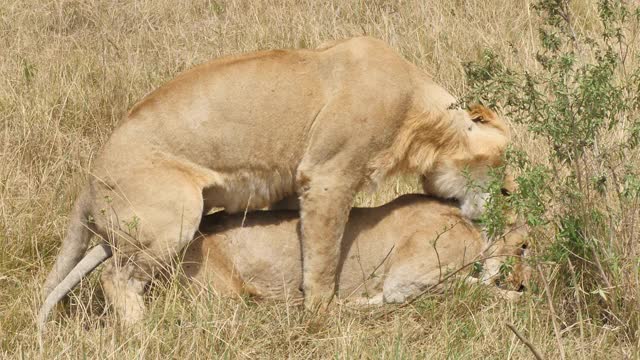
(389, 253)
(245, 131)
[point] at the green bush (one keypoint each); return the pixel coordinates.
(582, 99)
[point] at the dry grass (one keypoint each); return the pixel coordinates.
(70, 69)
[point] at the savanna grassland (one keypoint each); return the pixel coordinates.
(69, 70)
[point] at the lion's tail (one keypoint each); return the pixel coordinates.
(95, 257)
(74, 244)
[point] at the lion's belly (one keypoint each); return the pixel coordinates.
(249, 190)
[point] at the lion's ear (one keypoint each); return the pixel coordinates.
(478, 118)
(479, 113)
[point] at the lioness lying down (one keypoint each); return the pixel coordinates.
(389, 253)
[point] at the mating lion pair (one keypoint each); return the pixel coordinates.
(389, 254)
(244, 132)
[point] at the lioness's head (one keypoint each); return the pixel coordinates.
(505, 265)
(462, 170)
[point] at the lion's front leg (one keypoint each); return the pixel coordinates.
(325, 204)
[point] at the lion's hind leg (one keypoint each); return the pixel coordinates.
(147, 224)
(417, 266)
(399, 288)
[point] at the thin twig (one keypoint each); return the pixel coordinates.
(435, 243)
(554, 320)
(246, 209)
(365, 279)
(381, 263)
(525, 341)
(579, 303)
(565, 14)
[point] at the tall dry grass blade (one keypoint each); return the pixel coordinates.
(553, 314)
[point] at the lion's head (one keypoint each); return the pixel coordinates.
(463, 168)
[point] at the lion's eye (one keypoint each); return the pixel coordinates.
(505, 192)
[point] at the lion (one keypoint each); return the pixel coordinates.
(390, 254)
(246, 131)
